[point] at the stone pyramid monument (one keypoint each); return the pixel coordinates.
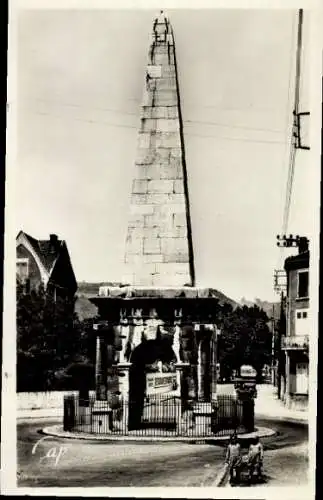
(162, 318)
(159, 250)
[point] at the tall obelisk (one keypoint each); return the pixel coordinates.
(159, 250)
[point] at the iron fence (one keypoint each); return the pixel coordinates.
(158, 416)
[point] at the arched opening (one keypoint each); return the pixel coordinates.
(143, 360)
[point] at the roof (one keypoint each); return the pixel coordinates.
(45, 250)
(298, 261)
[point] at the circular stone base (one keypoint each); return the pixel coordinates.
(57, 431)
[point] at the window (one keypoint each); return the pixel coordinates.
(301, 322)
(22, 269)
(302, 313)
(302, 291)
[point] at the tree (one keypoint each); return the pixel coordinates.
(78, 375)
(49, 338)
(245, 339)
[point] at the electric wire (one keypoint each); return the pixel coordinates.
(289, 133)
(119, 125)
(188, 121)
(293, 146)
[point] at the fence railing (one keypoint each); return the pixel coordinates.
(158, 416)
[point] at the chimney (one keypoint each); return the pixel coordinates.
(303, 245)
(53, 239)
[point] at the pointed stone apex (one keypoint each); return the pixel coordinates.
(162, 18)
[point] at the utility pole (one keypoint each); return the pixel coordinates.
(280, 333)
(292, 241)
(273, 342)
(296, 139)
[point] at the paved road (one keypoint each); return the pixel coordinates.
(66, 462)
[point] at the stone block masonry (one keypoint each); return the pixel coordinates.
(158, 249)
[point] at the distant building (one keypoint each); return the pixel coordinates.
(46, 263)
(295, 343)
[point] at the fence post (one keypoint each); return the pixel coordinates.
(180, 367)
(69, 413)
(179, 416)
(248, 415)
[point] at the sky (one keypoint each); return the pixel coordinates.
(80, 81)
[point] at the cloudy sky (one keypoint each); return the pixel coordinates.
(80, 82)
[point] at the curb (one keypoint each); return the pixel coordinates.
(221, 477)
(41, 420)
(40, 414)
(33, 417)
(282, 418)
(57, 431)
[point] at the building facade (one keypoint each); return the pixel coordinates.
(295, 342)
(44, 263)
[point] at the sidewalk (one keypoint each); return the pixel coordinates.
(39, 413)
(267, 405)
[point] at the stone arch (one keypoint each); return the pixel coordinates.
(143, 356)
